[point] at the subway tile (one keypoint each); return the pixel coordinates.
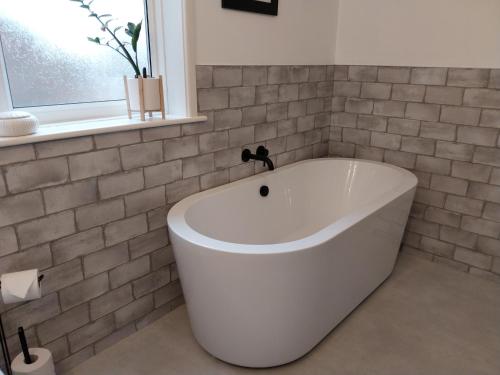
(429, 76)
(94, 164)
(63, 147)
(117, 139)
(227, 76)
(36, 174)
(16, 154)
(288, 93)
(363, 73)
(141, 155)
(211, 142)
(8, 241)
(61, 276)
(111, 301)
(254, 75)
(254, 115)
(266, 94)
(418, 145)
(470, 171)
(83, 291)
(438, 130)
(100, 213)
(20, 207)
(204, 76)
(376, 90)
(408, 93)
(160, 133)
(228, 119)
(389, 108)
(490, 118)
(298, 74)
(241, 96)
(210, 99)
(77, 245)
(454, 151)
(125, 229)
(164, 173)
(468, 77)
(393, 74)
(69, 196)
(129, 271)
(433, 165)
(120, 183)
(477, 135)
(473, 258)
(444, 95)
(485, 192)
(460, 115)
(487, 156)
(403, 126)
(178, 148)
(481, 226)
(46, 229)
(401, 159)
(104, 260)
(484, 98)
(386, 141)
(425, 112)
(278, 74)
(62, 324)
(348, 89)
(354, 105)
(317, 73)
(90, 333)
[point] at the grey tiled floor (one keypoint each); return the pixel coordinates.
(425, 319)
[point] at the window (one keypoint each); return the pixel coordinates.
(50, 68)
(49, 60)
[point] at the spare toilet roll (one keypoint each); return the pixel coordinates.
(20, 286)
(43, 364)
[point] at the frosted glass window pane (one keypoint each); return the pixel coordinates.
(49, 60)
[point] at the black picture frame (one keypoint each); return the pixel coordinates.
(263, 7)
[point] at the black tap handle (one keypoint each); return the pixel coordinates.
(262, 151)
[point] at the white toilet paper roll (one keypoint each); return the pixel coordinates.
(43, 364)
(20, 286)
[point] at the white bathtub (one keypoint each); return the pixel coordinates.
(266, 279)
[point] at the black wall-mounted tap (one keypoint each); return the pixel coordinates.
(261, 154)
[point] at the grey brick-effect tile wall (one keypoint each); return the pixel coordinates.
(443, 124)
(90, 212)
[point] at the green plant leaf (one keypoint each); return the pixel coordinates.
(95, 40)
(117, 29)
(93, 15)
(130, 29)
(84, 6)
(105, 15)
(136, 35)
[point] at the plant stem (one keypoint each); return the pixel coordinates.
(125, 53)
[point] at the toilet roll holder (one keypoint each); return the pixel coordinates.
(3, 339)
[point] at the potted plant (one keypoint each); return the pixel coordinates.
(143, 92)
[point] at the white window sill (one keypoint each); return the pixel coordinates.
(63, 130)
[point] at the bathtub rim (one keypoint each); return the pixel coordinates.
(177, 223)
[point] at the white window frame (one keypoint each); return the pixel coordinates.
(171, 39)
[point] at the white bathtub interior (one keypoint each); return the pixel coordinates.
(301, 202)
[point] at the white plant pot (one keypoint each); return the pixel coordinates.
(151, 92)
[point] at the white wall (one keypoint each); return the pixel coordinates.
(451, 33)
(303, 33)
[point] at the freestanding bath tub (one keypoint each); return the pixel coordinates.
(267, 278)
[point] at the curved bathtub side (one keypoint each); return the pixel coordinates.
(264, 310)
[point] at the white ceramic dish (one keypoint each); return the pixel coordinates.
(17, 123)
